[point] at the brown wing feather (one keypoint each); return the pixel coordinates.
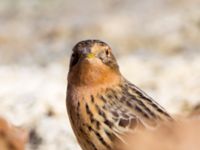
(130, 108)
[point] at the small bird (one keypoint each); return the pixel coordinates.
(102, 105)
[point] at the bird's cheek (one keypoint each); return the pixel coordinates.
(101, 56)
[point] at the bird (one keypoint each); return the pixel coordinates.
(102, 105)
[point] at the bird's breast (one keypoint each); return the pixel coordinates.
(89, 119)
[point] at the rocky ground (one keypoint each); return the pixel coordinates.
(156, 43)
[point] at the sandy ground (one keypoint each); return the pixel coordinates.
(156, 44)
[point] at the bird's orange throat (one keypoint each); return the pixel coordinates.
(92, 73)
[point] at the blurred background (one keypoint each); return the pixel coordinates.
(156, 42)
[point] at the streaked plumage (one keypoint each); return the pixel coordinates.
(102, 105)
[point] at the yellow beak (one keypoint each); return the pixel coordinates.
(90, 55)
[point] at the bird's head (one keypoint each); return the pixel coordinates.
(92, 62)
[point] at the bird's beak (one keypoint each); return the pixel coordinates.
(90, 55)
(86, 53)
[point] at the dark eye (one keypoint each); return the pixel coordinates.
(74, 59)
(73, 55)
(107, 52)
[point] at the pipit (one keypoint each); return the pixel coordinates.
(102, 105)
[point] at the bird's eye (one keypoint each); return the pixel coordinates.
(107, 52)
(73, 55)
(74, 59)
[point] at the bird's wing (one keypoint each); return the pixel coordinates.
(131, 108)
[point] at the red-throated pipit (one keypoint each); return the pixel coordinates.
(102, 105)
